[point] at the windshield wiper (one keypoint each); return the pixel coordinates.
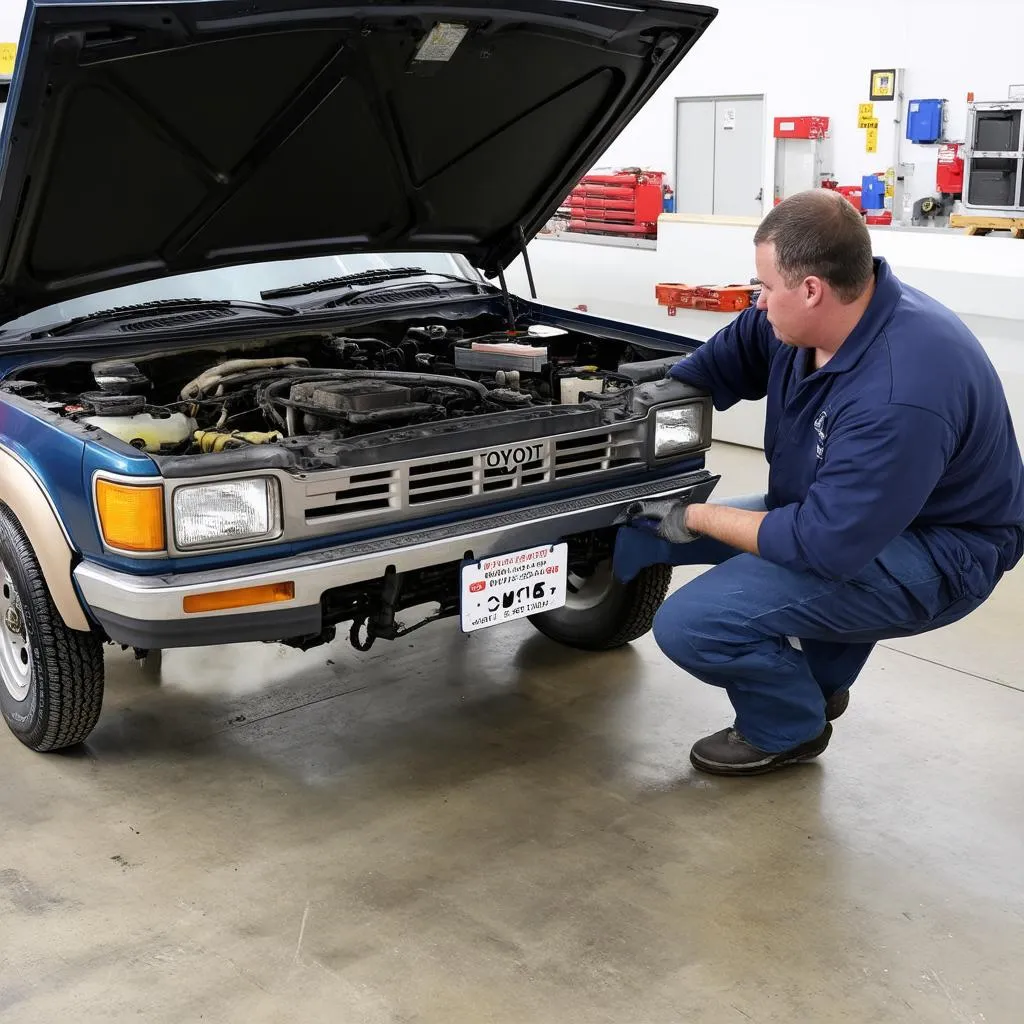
(366, 277)
(178, 309)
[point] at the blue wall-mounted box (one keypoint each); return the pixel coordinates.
(924, 120)
(872, 194)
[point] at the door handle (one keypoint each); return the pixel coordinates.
(760, 194)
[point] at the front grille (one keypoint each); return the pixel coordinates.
(362, 493)
(468, 477)
(576, 455)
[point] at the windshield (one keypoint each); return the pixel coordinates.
(244, 283)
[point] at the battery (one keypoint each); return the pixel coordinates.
(501, 356)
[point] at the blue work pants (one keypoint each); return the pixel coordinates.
(734, 625)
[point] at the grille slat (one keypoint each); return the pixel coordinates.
(449, 465)
(440, 475)
(467, 475)
(574, 466)
(424, 493)
(582, 456)
(321, 488)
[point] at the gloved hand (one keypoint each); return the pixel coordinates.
(667, 517)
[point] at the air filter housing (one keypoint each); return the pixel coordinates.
(351, 396)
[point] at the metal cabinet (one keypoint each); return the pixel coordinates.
(720, 155)
(994, 159)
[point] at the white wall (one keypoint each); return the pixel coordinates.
(809, 57)
(980, 278)
(12, 13)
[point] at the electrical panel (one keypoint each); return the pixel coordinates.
(924, 121)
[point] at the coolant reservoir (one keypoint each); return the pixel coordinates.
(145, 431)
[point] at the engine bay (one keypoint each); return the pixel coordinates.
(339, 387)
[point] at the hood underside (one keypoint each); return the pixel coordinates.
(147, 139)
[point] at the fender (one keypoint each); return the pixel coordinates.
(22, 493)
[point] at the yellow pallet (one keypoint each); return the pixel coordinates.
(983, 225)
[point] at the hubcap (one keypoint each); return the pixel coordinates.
(586, 592)
(15, 657)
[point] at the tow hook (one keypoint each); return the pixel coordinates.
(381, 622)
(353, 635)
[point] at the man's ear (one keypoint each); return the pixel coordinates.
(814, 290)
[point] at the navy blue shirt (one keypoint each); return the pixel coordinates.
(905, 427)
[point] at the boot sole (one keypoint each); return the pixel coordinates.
(806, 752)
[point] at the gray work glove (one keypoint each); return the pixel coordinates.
(667, 517)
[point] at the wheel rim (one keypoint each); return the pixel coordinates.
(584, 593)
(15, 654)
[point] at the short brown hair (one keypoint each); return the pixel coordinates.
(819, 234)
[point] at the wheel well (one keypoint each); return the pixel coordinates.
(22, 493)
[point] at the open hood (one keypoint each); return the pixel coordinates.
(147, 139)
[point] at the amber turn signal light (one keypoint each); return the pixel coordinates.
(131, 517)
(242, 597)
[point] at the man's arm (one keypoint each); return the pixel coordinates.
(733, 364)
(734, 526)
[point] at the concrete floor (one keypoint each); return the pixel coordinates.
(494, 829)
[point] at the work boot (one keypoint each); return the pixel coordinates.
(837, 704)
(728, 753)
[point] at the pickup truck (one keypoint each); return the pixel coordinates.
(257, 381)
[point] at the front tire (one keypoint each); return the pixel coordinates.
(602, 613)
(51, 677)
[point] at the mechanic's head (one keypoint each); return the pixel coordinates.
(813, 256)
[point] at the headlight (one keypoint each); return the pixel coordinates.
(678, 429)
(231, 510)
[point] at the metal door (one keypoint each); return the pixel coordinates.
(695, 156)
(720, 155)
(739, 157)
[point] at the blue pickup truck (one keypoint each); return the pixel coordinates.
(260, 373)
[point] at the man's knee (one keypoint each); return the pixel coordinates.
(690, 631)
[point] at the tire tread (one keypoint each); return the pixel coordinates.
(69, 670)
(639, 601)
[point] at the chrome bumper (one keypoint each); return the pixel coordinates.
(148, 611)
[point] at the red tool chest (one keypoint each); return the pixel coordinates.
(949, 170)
(628, 202)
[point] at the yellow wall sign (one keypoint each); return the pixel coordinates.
(867, 122)
(7, 55)
(883, 84)
(866, 110)
(871, 141)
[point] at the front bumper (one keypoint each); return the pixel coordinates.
(148, 611)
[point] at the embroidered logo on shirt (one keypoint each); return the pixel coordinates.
(820, 428)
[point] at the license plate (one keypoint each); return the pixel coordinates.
(512, 586)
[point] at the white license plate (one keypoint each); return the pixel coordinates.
(508, 587)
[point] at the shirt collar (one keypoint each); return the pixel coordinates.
(888, 292)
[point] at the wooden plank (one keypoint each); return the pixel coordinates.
(983, 225)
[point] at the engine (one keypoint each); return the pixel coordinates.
(333, 387)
